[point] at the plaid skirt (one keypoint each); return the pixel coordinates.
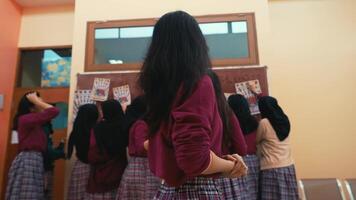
(199, 188)
(26, 177)
(48, 185)
(279, 183)
(253, 164)
(101, 196)
(138, 182)
(236, 188)
(78, 181)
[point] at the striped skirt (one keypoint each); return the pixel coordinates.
(234, 189)
(198, 188)
(138, 182)
(78, 181)
(101, 196)
(48, 185)
(253, 164)
(279, 183)
(26, 177)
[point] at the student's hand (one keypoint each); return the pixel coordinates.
(146, 144)
(252, 86)
(33, 98)
(239, 169)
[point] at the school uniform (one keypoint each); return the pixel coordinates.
(236, 188)
(138, 182)
(278, 176)
(180, 150)
(26, 175)
(253, 164)
(105, 172)
(78, 180)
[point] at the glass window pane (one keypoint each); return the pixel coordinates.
(239, 27)
(106, 33)
(136, 32)
(45, 68)
(130, 47)
(214, 28)
(231, 45)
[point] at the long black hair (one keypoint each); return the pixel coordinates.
(241, 108)
(109, 132)
(270, 109)
(135, 111)
(24, 108)
(86, 119)
(224, 109)
(176, 60)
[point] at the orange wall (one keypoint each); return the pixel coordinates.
(10, 16)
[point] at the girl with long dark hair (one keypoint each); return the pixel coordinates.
(138, 182)
(233, 143)
(79, 138)
(278, 176)
(26, 175)
(249, 124)
(107, 152)
(185, 128)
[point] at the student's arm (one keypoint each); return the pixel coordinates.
(48, 112)
(238, 142)
(139, 131)
(191, 133)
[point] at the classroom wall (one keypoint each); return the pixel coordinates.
(309, 47)
(312, 67)
(47, 26)
(9, 35)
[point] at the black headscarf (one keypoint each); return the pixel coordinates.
(109, 132)
(240, 106)
(135, 111)
(270, 109)
(80, 136)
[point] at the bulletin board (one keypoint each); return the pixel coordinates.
(228, 77)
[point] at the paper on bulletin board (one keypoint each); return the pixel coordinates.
(243, 89)
(100, 91)
(122, 94)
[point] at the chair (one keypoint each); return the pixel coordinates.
(322, 189)
(351, 188)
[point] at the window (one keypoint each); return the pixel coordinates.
(122, 45)
(48, 67)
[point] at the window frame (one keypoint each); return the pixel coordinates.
(253, 58)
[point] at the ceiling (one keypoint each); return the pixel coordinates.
(40, 3)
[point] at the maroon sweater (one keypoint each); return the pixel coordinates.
(238, 144)
(30, 131)
(105, 171)
(137, 136)
(180, 150)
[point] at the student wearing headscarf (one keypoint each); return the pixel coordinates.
(278, 176)
(79, 139)
(249, 124)
(107, 153)
(233, 143)
(138, 182)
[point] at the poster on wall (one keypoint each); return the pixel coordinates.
(56, 73)
(81, 97)
(100, 91)
(122, 94)
(243, 89)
